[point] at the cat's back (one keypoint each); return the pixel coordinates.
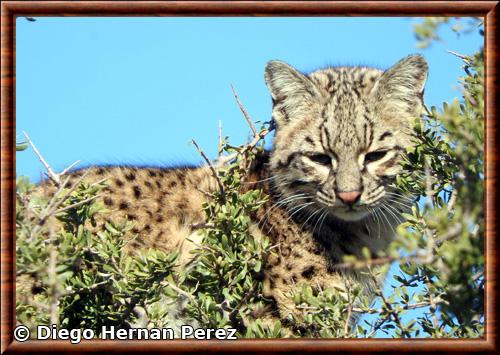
(162, 203)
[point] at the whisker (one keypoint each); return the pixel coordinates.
(391, 211)
(322, 222)
(400, 197)
(263, 180)
(280, 203)
(296, 209)
(375, 213)
(401, 204)
(310, 216)
(319, 218)
(385, 217)
(397, 214)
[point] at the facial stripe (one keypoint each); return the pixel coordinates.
(385, 135)
(343, 118)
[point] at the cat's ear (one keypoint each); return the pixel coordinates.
(399, 91)
(290, 90)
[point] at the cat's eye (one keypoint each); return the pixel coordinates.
(374, 156)
(322, 159)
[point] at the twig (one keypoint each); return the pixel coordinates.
(248, 147)
(50, 173)
(452, 200)
(178, 290)
(64, 172)
(205, 193)
(242, 301)
(431, 199)
(461, 56)
(245, 113)
(349, 309)
(257, 136)
(422, 257)
(196, 226)
(437, 300)
(55, 202)
(428, 183)
(221, 147)
(98, 182)
(377, 326)
(52, 284)
(433, 305)
(359, 264)
(59, 201)
(453, 231)
(214, 172)
(77, 204)
(391, 311)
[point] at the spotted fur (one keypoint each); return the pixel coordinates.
(337, 149)
(339, 138)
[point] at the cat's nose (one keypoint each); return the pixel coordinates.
(350, 197)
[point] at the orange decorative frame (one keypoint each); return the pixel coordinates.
(12, 9)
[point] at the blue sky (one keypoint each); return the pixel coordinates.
(137, 90)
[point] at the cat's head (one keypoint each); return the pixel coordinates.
(340, 133)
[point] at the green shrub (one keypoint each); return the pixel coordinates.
(76, 278)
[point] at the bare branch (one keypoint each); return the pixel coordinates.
(349, 309)
(428, 183)
(243, 301)
(214, 172)
(53, 288)
(359, 264)
(245, 113)
(248, 147)
(196, 226)
(437, 300)
(55, 202)
(388, 306)
(98, 182)
(452, 199)
(433, 306)
(50, 173)
(377, 326)
(461, 56)
(177, 289)
(65, 171)
(221, 147)
(205, 193)
(82, 202)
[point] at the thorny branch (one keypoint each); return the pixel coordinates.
(59, 197)
(416, 305)
(222, 160)
(196, 226)
(221, 141)
(212, 169)
(349, 309)
(388, 306)
(50, 173)
(77, 204)
(245, 113)
(257, 136)
(426, 256)
(227, 158)
(57, 200)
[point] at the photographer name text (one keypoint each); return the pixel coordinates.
(75, 336)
